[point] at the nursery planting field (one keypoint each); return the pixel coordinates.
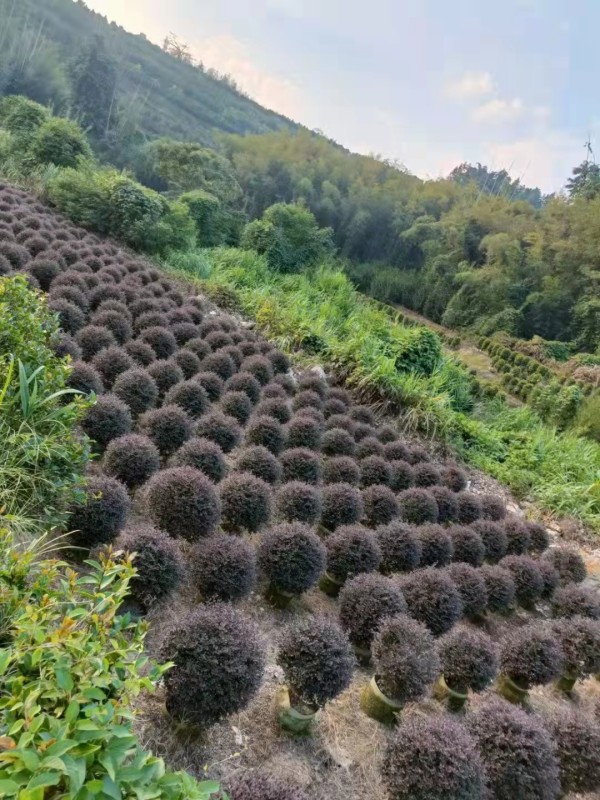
(346, 616)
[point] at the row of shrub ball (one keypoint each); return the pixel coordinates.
(242, 475)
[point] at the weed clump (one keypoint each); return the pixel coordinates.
(218, 659)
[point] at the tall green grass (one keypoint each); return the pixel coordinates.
(321, 317)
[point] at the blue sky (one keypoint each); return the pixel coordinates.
(510, 83)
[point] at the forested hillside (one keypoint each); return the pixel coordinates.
(60, 52)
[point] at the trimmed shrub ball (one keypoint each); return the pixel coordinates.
(432, 758)
(307, 399)
(576, 735)
(469, 660)
(160, 339)
(396, 451)
(519, 757)
(337, 442)
(204, 455)
(253, 786)
(279, 361)
(110, 363)
(314, 414)
(168, 427)
(302, 431)
(99, 519)
(296, 501)
(362, 414)
(316, 659)
(367, 447)
(188, 363)
(467, 545)
(70, 317)
(92, 339)
(351, 550)
(183, 332)
(189, 396)
(332, 407)
(380, 506)
(341, 469)
(221, 429)
(287, 383)
(236, 405)
(517, 536)
(454, 477)
(550, 578)
(300, 464)
(244, 382)
(245, 502)
(387, 433)
(275, 407)
(198, 347)
(375, 470)
(365, 601)
(137, 389)
(400, 548)
(417, 506)
(531, 656)
(64, 345)
(166, 374)
(402, 475)
(568, 563)
(84, 378)
(291, 557)
(471, 588)
(116, 323)
(432, 598)
(260, 367)
(158, 561)
(342, 504)
(132, 459)
(500, 586)
(183, 502)
(418, 454)
(274, 391)
(437, 547)
(44, 271)
(527, 577)
(405, 658)
(150, 319)
(427, 474)
(469, 507)
(212, 383)
(539, 538)
(260, 462)
(341, 421)
(107, 419)
(494, 539)
(579, 641)
(572, 600)
(267, 432)
(223, 568)
(492, 507)
(219, 659)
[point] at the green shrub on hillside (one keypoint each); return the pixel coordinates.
(41, 456)
(60, 142)
(69, 672)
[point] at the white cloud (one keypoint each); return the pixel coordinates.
(471, 84)
(230, 55)
(498, 110)
(545, 160)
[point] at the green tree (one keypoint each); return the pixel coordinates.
(61, 142)
(586, 324)
(288, 235)
(585, 181)
(94, 85)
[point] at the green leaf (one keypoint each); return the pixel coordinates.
(44, 779)
(110, 788)
(72, 711)
(8, 787)
(64, 679)
(76, 771)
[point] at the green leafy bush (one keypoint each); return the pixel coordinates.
(68, 675)
(41, 457)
